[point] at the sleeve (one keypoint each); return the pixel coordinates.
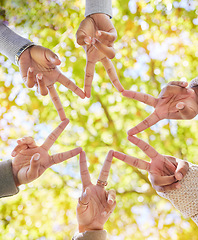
(185, 199)
(7, 184)
(10, 42)
(90, 235)
(98, 6)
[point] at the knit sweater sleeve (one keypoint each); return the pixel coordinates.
(98, 6)
(10, 42)
(90, 235)
(185, 199)
(7, 184)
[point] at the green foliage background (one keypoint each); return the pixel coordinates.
(157, 43)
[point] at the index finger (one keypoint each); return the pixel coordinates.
(141, 97)
(84, 172)
(133, 161)
(56, 101)
(70, 85)
(145, 147)
(54, 135)
(146, 123)
(104, 173)
(111, 71)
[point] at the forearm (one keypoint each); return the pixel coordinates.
(7, 183)
(10, 42)
(185, 199)
(98, 6)
(90, 235)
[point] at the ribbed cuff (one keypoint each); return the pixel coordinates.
(98, 6)
(10, 42)
(90, 235)
(7, 184)
(185, 199)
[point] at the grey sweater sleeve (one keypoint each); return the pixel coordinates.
(10, 42)
(90, 235)
(98, 6)
(7, 184)
(185, 199)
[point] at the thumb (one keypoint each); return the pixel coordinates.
(52, 57)
(185, 111)
(33, 171)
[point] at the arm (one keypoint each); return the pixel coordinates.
(185, 199)
(98, 6)
(11, 43)
(7, 183)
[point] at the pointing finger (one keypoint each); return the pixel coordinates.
(133, 161)
(142, 97)
(56, 101)
(60, 157)
(84, 172)
(70, 85)
(146, 123)
(54, 135)
(111, 71)
(89, 73)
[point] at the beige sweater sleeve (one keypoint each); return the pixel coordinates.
(185, 199)
(91, 235)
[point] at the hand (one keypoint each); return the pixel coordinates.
(31, 161)
(175, 101)
(95, 204)
(38, 66)
(165, 171)
(97, 34)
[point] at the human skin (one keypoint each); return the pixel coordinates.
(96, 33)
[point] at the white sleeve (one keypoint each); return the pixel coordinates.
(10, 42)
(98, 6)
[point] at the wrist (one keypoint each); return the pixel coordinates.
(14, 173)
(21, 52)
(82, 229)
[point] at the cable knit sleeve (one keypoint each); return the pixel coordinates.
(98, 6)
(10, 42)
(7, 184)
(90, 235)
(185, 199)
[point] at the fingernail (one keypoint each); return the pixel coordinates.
(179, 176)
(36, 157)
(104, 214)
(180, 106)
(31, 69)
(93, 41)
(56, 57)
(39, 76)
(110, 201)
(99, 33)
(178, 186)
(13, 153)
(86, 40)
